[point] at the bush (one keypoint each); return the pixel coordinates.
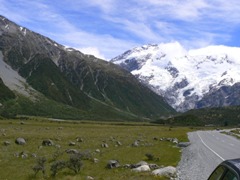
(150, 156)
(40, 166)
(75, 163)
(57, 166)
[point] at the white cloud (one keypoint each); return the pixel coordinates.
(93, 51)
(107, 45)
(127, 23)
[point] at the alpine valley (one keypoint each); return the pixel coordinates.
(187, 79)
(40, 77)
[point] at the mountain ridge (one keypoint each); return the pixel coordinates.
(184, 77)
(42, 67)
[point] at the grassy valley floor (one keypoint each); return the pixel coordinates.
(13, 165)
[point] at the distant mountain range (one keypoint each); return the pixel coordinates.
(200, 78)
(38, 76)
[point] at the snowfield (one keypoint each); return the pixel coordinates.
(179, 74)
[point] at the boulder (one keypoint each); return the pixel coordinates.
(141, 163)
(113, 164)
(6, 143)
(72, 151)
(72, 143)
(34, 155)
(47, 142)
(119, 143)
(175, 140)
(135, 144)
(105, 145)
(97, 151)
(20, 141)
(23, 155)
(169, 172)
(142, 168)
(153, 166)
(184, 144)
(79, 139)
(95, 160)
(89, 178)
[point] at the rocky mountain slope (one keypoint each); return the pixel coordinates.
(36, 67)
(207, 77)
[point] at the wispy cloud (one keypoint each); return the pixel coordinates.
(108, 27)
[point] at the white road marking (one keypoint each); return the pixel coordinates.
(231, 144)
(210, 148)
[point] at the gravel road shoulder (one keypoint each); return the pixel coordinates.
(197, 162)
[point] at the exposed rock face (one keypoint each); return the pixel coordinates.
(207, 77)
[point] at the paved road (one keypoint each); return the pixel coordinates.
(207, 150)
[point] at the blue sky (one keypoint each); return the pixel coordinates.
(107, 28)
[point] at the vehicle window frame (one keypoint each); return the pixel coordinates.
(227, 168)
(222, 174)
(230, 171)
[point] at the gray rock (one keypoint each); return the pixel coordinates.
(113, 164)
(79, 139)
(153, 166)
(184, 144)
(6, 143)
(97, 151)
(169, 172)
(47, 142)
(23, 155)
(20, 141)
(72, 144)
(135, 144)
(72, 151)
(89, 178)
(142, 168)
(175, 140)
(119, 143)
(141, 163)
(34, 155)
(95, 160)
(105, 145)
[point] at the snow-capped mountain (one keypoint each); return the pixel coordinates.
(197, 78)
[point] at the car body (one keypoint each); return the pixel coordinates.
(227, 170)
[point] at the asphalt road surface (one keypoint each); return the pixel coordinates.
(207, 150)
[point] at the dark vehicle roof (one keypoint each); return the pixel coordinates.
(233, 163)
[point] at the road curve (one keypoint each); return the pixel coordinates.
(207, 150)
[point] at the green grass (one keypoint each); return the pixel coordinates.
(93, 134)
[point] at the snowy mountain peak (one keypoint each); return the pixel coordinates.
(183, 77)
